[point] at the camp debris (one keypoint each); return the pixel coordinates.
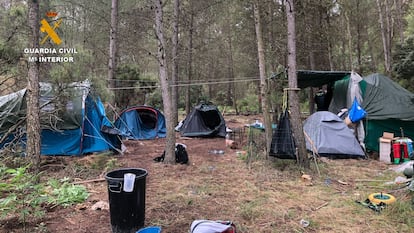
(212, 226)
(378, 201)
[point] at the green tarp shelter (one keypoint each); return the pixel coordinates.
(389, 107)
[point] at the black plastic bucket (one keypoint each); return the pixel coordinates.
(127, 208)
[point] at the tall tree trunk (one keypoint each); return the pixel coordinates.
(359, 42)
(312, 66)
(231, 92)
(330, 46)
(174, 61)
(399, 16)
(263, 81)
(189, 66)
(349, 38)
(113, 44)
(166, 91)
(230, 71)
(385, 37)
(271, 40)
(389, 30)
(297, 125)
(33, 111)
(373, 63)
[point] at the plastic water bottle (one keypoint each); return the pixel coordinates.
(218, 152)
(129, 180)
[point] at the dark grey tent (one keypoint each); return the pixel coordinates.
(328, 135)
(205, 120)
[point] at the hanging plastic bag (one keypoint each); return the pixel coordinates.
(356, 113)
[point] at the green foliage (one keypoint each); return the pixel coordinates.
(250, 103)
(403, 65)
(9, 55)
(65, 194)
(21, 196)
(132, 87)
(154, 99)
(78, 70)
(12, 38)
(220, 98)
(410, 21)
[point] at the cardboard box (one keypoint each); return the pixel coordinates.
(385, 143)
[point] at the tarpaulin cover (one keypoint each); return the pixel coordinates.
(389, 107)
(312, 78)
(386, 99)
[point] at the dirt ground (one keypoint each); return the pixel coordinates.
(258, 197)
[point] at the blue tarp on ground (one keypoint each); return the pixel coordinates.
(141, 122)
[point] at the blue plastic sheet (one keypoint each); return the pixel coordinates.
(356, 113)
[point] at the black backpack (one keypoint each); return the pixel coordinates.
(181, 155)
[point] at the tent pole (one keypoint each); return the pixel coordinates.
(314, 151)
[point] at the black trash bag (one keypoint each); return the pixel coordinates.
(283, 143)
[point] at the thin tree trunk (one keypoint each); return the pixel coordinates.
(113, 44)
(399, 16)
(174, 60)
(231, 93)
(312, 66)
(296, 122)
(166, 93)
(33, 111)
(330, 49)
(373, 63)
(389, 30)
(384, 34)
(230, 71)
(359, 42)
(349, 38)
(271, 42)
(189, 66)
(263, 81)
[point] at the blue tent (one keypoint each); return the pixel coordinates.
(141, 122)
(72, 123)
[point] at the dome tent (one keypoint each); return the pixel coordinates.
(205, 120)
(73, 120)
(330, 136)
(141, 122)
